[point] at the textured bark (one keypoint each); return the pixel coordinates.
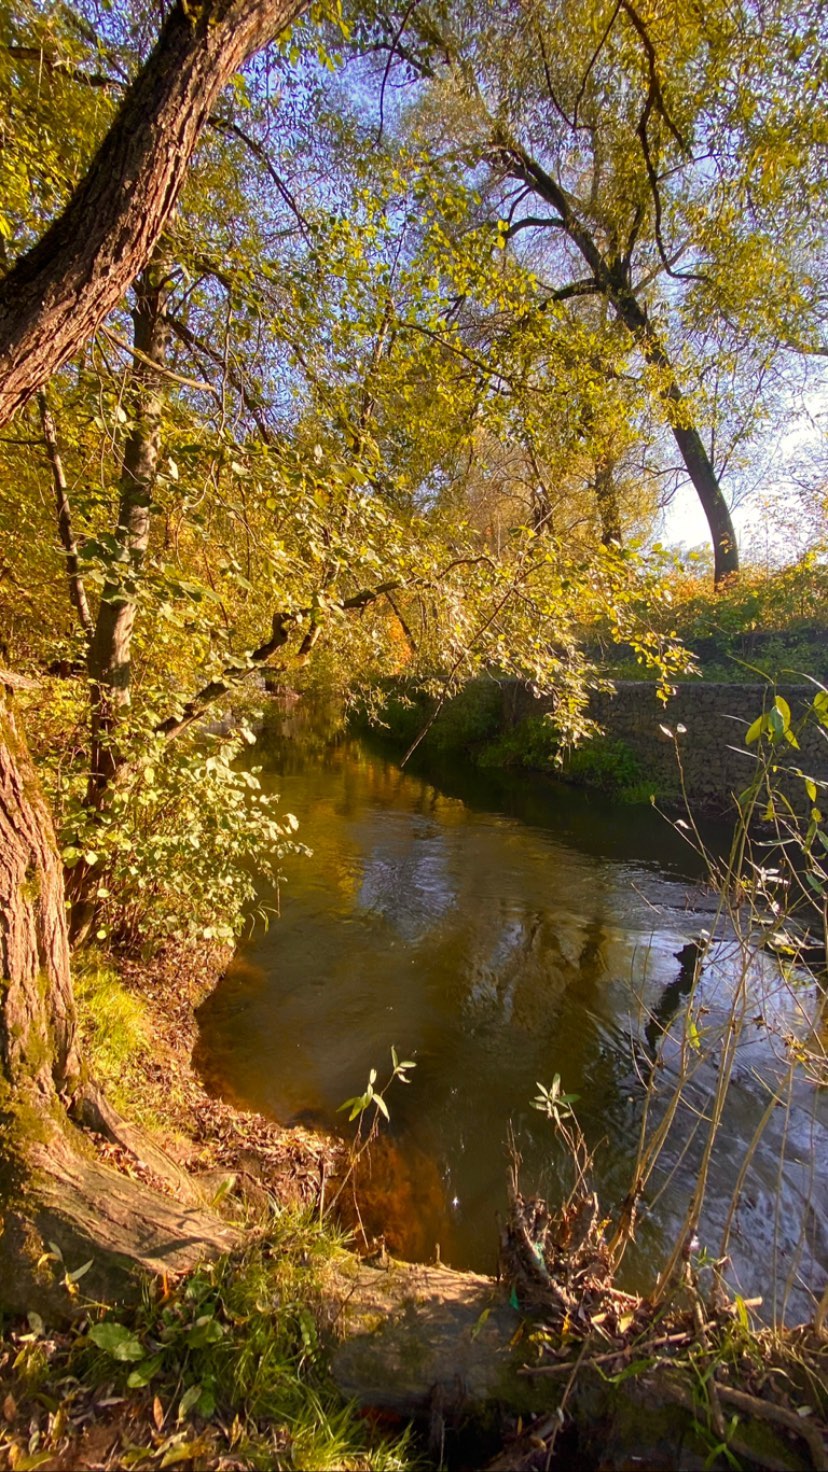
(52, 1191)
(58, 294)
(37, 1018)
(95, 1215)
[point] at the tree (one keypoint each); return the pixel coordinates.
(49, 303)
(334, 527)
(59, 292)
(636, 155)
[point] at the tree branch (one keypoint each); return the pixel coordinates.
(201, 385)
(59, 67)
(77, 591)
(237, 673)
(232, 129)
(254, 408)
(59, 293)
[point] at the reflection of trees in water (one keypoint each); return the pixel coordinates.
(401, 1200)
(522, 959)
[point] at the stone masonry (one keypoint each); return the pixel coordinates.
(715, 760)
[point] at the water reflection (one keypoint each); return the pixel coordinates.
(499, 930)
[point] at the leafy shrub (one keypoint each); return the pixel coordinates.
(532, 743)
(611, 767)
(181, 846)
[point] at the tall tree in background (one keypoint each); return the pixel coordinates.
(628, 153)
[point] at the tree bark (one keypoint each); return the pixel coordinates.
(37, 1017)
(52, 1190)
(110, 650)
(58, 294)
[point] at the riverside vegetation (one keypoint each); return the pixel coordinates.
(350, 344)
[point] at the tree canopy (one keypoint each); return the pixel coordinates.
(388, 373)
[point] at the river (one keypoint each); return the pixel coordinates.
(499, 929)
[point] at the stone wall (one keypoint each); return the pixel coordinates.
(714, 757)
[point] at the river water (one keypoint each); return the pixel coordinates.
(499, 929)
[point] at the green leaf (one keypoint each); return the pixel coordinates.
(381, 1105)
(204, 1331)
(188, 1400)
(143, 1373)
(116, 1340)
(206, 1402)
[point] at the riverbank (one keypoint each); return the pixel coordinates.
(245, 1363)
(690, 751)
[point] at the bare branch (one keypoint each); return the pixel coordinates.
(596, 53)
(232, 129)
(57, 66)
(189, 338)
(77, 591)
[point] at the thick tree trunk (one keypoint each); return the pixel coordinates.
(53, 1193)
(57, 295)
(37, 1019)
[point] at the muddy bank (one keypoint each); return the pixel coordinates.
(235, 1154)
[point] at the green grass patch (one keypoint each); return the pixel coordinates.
(231, 1362)
(116, 1034)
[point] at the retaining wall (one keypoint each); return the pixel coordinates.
(714, 757)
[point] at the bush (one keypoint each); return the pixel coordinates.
(611, 767)
(182, 845)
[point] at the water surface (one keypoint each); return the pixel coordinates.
(498, 929)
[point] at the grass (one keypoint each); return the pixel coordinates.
(228, 1367)
(116, 1034)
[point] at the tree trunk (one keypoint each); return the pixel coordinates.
(612, 280)
(109, 657)
(606, 496)
(689, 441)
(58, 294)
(37, 1018)
(110, 651)
(53, 1192)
